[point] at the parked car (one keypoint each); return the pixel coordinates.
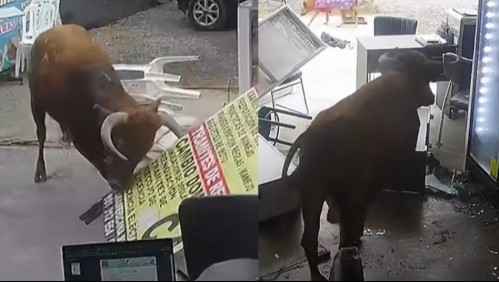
(210, 14)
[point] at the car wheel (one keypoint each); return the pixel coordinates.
(208, 14)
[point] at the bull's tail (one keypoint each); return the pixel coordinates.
(292, 151)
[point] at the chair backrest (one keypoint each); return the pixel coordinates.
(217, 229)
(56, 4)
(37, 18)
(384, 25)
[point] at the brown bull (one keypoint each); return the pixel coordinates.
(72, 79)
(347, 150)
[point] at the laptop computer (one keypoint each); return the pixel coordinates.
(151, 260)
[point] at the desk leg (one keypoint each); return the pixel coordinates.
(361, 76)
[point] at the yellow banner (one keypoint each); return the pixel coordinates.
(494, 167)
(216, 158)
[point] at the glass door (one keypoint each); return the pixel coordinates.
(484, 135)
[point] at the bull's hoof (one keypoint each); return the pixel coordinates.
(40, 174)
(318, 277)
(40, 177)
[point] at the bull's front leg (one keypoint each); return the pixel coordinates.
(312, 203)
(41, 133)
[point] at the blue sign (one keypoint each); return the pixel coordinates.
(10, 33)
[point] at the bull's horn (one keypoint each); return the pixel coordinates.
(173, 125)
(109, 123)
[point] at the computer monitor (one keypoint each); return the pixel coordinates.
(150, 260)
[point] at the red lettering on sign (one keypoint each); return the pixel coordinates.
(8, 26)
(208, 162)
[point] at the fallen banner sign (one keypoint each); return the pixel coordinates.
(218, 157)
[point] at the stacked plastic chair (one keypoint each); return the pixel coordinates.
(37, 17)
(150, 82)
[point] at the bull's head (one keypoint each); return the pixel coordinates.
(127, 135)
(419, 68)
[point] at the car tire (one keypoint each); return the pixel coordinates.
(218, 21)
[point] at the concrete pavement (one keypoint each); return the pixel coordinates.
(37, 219)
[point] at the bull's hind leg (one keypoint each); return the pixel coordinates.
(311, 208)
(332, 213)
(66, 137)
(41, 132)
(352, 217)
(360, 223)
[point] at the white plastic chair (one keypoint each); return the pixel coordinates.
(183, 120)
(165, 138)
(170, 109)
(56, 3)
(157, 88)
(154, 70)
(153, 84)
(171, 106)
(37, 18)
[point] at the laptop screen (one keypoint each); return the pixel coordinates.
(150, 260)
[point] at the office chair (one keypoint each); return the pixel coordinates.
(384, 25)
(268, 119)
(217, 229)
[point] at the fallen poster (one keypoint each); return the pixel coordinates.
(218, 157)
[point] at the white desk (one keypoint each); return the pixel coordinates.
(370, 48)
